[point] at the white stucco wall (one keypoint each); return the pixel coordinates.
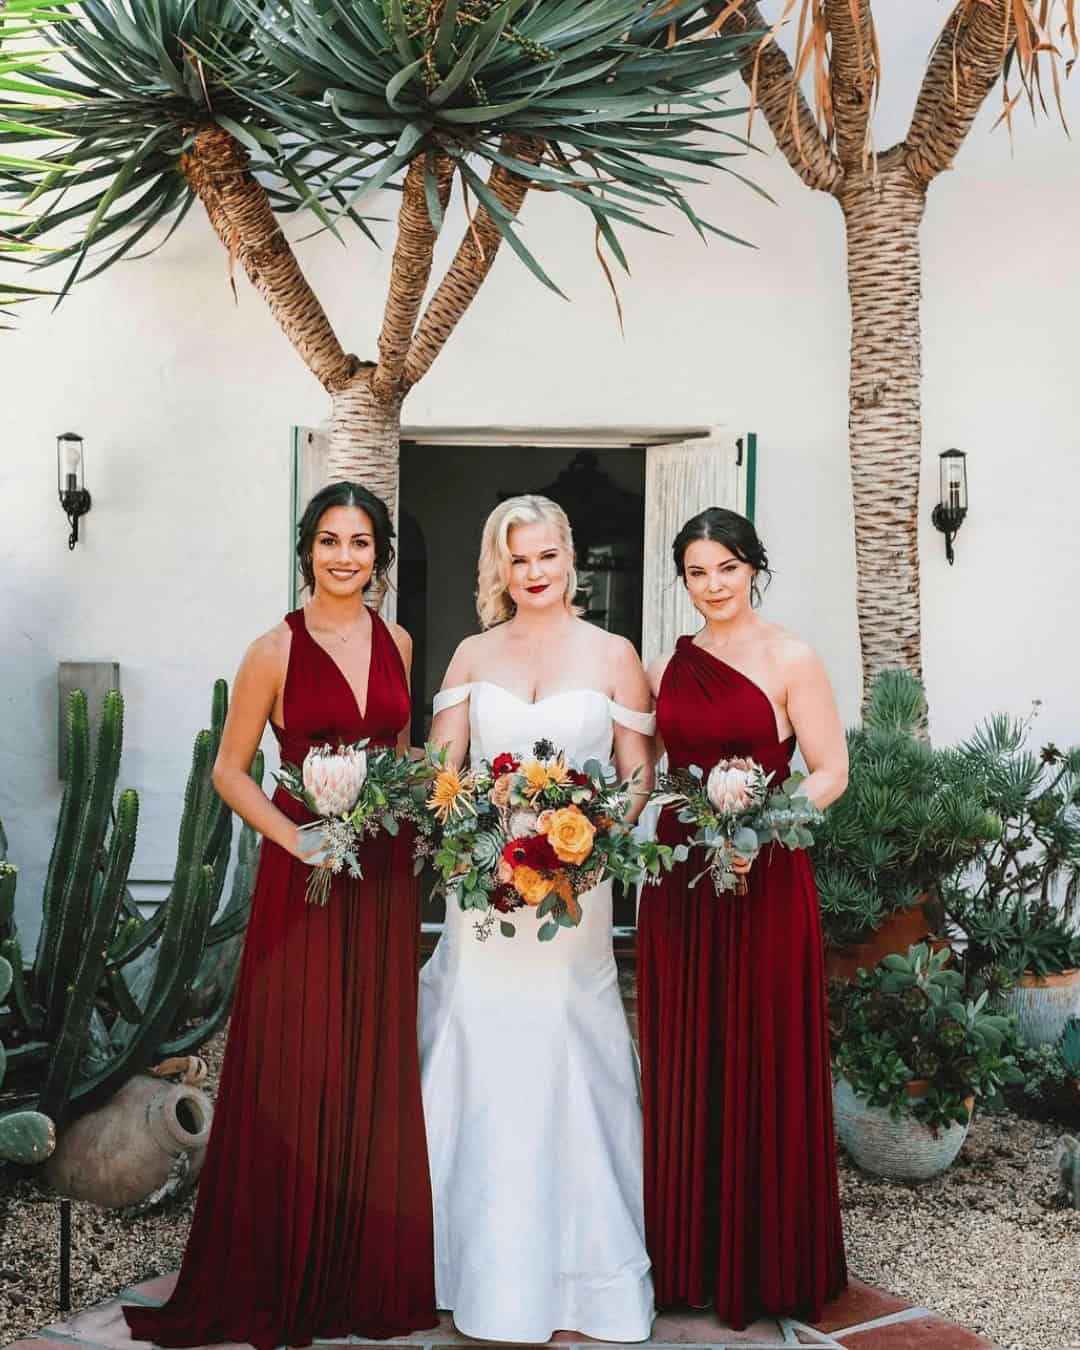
(186, 402)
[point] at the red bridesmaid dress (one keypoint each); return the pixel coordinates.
(313, 1217)
(741, 1200)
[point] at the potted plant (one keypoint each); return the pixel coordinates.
(1013, 905)
(1069, 1050)
(910, 818)
(910, 1058)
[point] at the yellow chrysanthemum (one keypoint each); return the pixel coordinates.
(558, 773)
(449, 794)
(536, 777)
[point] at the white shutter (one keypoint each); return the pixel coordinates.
(311, 451)
(681, 480)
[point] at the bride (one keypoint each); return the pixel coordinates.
(529, 1074)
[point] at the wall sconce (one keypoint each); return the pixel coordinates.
(950, 511)
(74, 497)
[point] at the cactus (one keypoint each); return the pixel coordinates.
(111, 993)
(25, 1136)
(1068, 1166)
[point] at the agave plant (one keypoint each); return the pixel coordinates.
(21, 23)
(612, 103)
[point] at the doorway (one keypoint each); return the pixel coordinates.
(446, 495)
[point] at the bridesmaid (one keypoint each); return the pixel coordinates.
(313, 1216)
(741, 1201)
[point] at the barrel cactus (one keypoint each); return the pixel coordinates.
(111, 993)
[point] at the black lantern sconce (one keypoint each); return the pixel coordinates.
(950, 511)
(74, 497)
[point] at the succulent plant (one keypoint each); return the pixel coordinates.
(25, 1136)
(111, 993)
(908, 1019)
(1068, 1047)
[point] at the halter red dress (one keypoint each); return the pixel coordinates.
(741, 1199)
(313, 1217)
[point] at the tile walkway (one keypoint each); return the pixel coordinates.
(861, 1319)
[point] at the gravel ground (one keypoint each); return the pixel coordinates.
(988, 1244)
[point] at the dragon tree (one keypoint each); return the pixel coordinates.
(255, 108)
(882, 197)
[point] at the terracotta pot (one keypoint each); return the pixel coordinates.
(903, 1149)
(1044, 1004)
(899, 932)
(146, 1143)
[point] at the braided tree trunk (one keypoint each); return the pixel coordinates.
(882, 218)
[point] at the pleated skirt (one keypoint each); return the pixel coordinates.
(313, 1216)
(741, 1198)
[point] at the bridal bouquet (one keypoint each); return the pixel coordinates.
(530, 832)
(355, 792)
(734, 813)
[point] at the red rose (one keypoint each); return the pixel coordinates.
(532, 850)
(504, 764)
(506, 899)
(579, 779)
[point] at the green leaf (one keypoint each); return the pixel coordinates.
(497, 212)
(547, 931)
(507, 929)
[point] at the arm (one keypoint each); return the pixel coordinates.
(818, 729)
(633, 749)
(255, 689)
(403, 642)
(655, 676)
(450, 727)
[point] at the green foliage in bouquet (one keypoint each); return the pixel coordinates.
(736, 811)
(1015, 901)
(911, 818)
(908, 1020)
(110, 993)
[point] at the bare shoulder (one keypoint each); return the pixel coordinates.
(794, 655)
(270, 651)
(262, 669)
(616, 650)
(468, 657)
(655, 671)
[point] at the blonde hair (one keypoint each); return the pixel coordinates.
(493, 603)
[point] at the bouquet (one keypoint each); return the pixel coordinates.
(531, 832)
(734, 813)
(355, 792)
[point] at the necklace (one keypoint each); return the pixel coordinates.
(348, 636)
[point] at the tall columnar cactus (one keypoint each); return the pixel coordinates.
(112, 993)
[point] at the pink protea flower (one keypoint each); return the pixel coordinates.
(334, 778)
(734, 785)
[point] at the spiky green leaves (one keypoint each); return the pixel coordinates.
(620, 97)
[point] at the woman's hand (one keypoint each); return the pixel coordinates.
(309, 846)
(740, 865)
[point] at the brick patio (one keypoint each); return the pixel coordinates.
(862, 1319)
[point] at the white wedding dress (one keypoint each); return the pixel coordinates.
(530, 1089)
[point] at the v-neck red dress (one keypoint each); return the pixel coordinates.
(741, 1198)
(313, 1217)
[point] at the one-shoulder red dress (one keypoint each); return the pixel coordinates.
(313, 1217)
(741, 1199)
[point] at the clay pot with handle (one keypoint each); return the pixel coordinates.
(146, 1143)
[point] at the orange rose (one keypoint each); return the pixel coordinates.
(570, 833)
(530, 885)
